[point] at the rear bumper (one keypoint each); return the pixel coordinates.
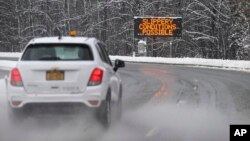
(29, 99)
(92, 97)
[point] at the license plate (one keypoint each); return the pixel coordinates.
(55, 75)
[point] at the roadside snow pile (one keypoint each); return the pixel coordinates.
(211, 63)
(10, 54)
(7, 65)
(233, 64)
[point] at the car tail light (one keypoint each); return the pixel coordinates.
(15, 78)
(16, 103)
(93, 102)
(96, 77)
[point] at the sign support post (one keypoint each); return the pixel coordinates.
(171, 48)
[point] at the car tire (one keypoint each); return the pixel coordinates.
(104, 111)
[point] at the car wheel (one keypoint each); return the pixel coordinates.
(105, 111)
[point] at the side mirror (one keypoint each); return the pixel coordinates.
(119, 64)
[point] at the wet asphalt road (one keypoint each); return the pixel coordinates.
(160, 102)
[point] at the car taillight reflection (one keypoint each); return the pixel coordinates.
(96, 77)
(15, 78)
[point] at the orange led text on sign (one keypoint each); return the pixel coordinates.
(157, 26)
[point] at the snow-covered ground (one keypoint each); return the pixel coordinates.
(7, 65)
(10, 54)
(211, 63)
(238, 65)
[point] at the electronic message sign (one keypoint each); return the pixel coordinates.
(157, 26)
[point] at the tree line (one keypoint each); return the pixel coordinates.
(211, 28)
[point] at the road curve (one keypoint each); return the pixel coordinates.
(161, 102)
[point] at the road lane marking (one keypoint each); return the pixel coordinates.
(159, 74)
(152, 132)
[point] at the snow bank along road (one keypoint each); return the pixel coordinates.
(161, 102)
(239, 65)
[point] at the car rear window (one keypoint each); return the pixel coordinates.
(58, 52)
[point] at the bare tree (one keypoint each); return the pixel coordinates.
(212, 29)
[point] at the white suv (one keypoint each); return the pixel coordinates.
(65, 70)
